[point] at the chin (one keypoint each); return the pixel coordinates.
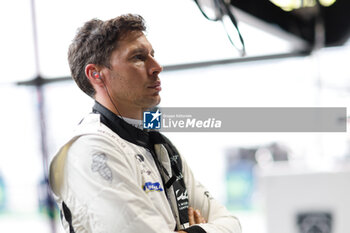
(154, 102)
(158, 100)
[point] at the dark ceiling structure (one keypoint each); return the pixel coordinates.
(332, 23)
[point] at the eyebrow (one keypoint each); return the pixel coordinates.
(141, 50)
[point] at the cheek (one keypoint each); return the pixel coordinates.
(130, 88)
(139, 64)
(131, 82)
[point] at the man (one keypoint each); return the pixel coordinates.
(113, 176)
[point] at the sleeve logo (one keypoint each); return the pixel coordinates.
(99, 165)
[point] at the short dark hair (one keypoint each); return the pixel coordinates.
(94, 44)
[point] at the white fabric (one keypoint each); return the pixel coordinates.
(101, 178)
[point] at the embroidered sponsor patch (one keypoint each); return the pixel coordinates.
(99, 165)
(140, 158)
(151, 187)
(144, 169)
(207, 194)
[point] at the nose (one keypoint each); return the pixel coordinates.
(155, 67)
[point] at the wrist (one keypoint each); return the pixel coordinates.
(194, 229)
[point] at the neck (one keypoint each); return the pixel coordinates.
(121, 110)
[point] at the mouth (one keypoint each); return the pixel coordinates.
(155, 86)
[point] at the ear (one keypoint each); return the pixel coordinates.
(90, 72)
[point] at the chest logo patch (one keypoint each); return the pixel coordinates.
(152, 187)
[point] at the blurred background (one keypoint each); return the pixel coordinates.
(290, 54)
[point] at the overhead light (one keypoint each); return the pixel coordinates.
(327, 3)
(289, 5)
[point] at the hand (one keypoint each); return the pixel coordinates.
(195, 216)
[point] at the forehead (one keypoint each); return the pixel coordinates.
(131, 42)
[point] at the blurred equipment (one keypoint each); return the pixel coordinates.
(318, 22)
(240, 176)
(39, 82)
(219, 10)
(47, 206)
(2, 194)
(299, 200)
(315, 222)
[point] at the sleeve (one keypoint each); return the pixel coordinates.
(219, 219)
(103, 193)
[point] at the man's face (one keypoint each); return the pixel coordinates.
(133, 81)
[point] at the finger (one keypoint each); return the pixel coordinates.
(203, 220)
(200, 218)
(191, 216)
(197, 217)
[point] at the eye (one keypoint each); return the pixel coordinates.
(140, 57)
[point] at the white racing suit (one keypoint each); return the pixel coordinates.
(120, 179)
